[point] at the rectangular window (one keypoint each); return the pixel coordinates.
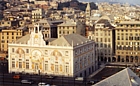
(2, 41)
(27, 50)
(20, 64)
(56, 68)
(108, 39)
(46, 66)
(59, 32)
(2, 45)
(66, 53)
(12, 37)
(46, 52)
(27, 65)
(105, 40)
(96, 39)
(2, 37)
(13, 63)
(101, 40)
(67, 69)
(109, 46)
(13, 50)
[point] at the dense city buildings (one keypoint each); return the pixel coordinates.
(49, 27)
(37, 14)
(68, 37)
(69, 55)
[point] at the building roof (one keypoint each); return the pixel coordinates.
(50, 39)
(70, 40)
(23, 39)
(68, 23)
(130, 22)
(66, 40)
(125, 77)
(88, 6)
(22, 28)
(45, 21)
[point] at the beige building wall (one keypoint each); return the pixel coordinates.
(128, 41)
(70, 27)
(9, 35)
(52, 60)
(104, 43)
(37, 14)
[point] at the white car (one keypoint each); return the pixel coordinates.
(43, 84)
(26, 82)
(79, 78)
(138, 67)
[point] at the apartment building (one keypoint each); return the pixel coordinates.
(104, 39)
(127, 41)
(9, 34)
(71, 26)
(9, 23)
(70, 55)
(37, 14)
(49, 28)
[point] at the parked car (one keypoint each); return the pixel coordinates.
(43, 84)
(138, 67)
(27, 81)
(91, 82)
(16, 77)
(79, 78)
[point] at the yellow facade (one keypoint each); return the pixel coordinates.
(128, 42)
(7, 36)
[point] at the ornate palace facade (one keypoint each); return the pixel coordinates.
(69, 55)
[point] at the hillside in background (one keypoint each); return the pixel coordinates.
(131, 2)
(76, 5)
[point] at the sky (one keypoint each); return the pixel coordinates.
(121, 1)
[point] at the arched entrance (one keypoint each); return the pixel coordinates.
(122, 60)
(136, 58)
(113, 59)
(102, 59)
(85, 73)
(127, 58)
(119, 58)
(105, 59)
(109, 59)
(131, 59)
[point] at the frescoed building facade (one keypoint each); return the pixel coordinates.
(69, 55)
